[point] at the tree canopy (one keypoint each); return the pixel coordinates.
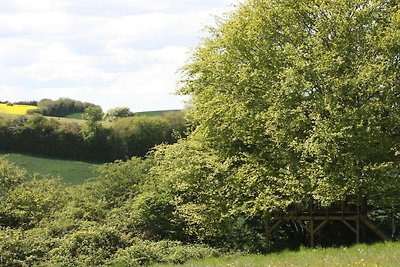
(60, 107)
(119, 112)
(303, 96)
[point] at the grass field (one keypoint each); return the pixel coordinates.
(15, 109)
(71, 172)
(155, 113)
(77, 116)
(60, 119)
(382, 254)
(9, 115)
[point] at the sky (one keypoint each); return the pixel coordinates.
(114, 53)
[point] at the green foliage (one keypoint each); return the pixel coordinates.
(304, 94)
(25, 248)
(209, 204)
(293, 102)
(116, 113)
(30, 202)
(140, 134)
(90, 246)
(152, 215)
(92, 116)
(10, 177)
(146, 252)
(92, 139)
(121, 180)
(61, 107)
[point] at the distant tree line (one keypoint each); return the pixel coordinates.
(61, 107)
(91, 140)
(29, 103)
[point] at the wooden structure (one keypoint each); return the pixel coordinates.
(314, 221)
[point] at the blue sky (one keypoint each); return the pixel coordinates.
(109, 52)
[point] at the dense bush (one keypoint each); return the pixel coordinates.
(90, 246)
(143, 252)
(10, 177)
(117, 113)
(25, 247)
(92, 141)
(30, 202)
(104, 221)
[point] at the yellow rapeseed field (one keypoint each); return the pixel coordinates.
(15, 109)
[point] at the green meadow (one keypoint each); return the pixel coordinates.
(380, 254)
(77, 115)
(71, 172)
(155, 113)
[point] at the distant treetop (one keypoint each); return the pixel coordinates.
(61, 107)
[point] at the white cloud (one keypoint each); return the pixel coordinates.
(126, 55)
(111, 52)
(42, 5)
(56, 62)
(35, 23)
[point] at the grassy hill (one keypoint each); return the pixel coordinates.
(71, 172)
(382, 254)
(77, 116)
(8, 112)
(156, 113)
(60, 119)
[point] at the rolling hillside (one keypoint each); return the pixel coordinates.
(71, 172)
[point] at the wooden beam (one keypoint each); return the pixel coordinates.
(269, 231)
(320, 226)
(350, 226)
(275, 226)
(316, 218)
(303, 226)
(375, 228)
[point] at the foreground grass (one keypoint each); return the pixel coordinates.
(71, 172)
(381, 254)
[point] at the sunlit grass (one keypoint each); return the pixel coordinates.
(382, 254)
(71, 172)
(77, 115)
(15, 109)
(156, 113)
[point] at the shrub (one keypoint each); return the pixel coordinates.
(24, 248)
(28, 203)
(89, 246)
(144, 252)
(10, 176)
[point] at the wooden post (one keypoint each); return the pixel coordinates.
(267, 236)
(358, 229)
(312, 232)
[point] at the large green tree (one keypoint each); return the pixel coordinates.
(303, 97)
